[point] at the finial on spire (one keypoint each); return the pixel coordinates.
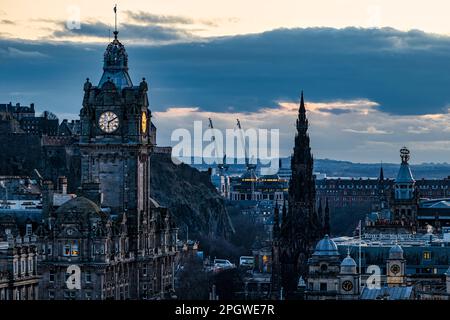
(115, 22)
(302, 102)
(404, 154)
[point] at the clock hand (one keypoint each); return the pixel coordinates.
(112, 120)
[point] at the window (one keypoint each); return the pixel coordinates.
(323, 286)
(144, 270)
(70, 249)
(88, 295)
(427, 255)
(23, 267)
(51, 276)
(88, 277)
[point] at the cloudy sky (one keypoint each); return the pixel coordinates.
(375, 74)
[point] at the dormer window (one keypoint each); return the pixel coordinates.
(71, 249)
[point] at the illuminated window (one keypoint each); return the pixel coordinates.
(427, 255)
(70, 249)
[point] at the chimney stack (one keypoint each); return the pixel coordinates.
(62, 185)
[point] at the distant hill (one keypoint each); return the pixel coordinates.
(336, 168)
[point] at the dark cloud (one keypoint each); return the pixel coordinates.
(149, 19)
(10, 22)
(127, 31)
(336, 111)
(404, 72)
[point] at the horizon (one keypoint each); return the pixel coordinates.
(367, 81)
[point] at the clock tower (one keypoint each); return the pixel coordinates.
(349, 286)
(395, 267)
(115, 141)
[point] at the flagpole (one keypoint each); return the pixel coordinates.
(115, 18)
(360, 272)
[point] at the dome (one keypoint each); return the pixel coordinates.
(348, 262)
(396, 252)
(115, 65)
(326, 247)
(79, 206)
(348, 265)
(115, 56)
(404, 174)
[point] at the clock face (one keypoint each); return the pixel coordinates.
(347, 286)
(108, 121)
(395, 268)
(144, 122)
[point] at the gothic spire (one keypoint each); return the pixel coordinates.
(302, 121)
(302, 186)
(381, 178)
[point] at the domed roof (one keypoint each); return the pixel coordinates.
(396, 252)
(348, 262)
(79, 205)
(115, 65)
(326, 247)
(115, 56)
(348, 265)
(404, 174)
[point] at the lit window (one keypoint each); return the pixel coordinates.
(71, 249)
(427, 255)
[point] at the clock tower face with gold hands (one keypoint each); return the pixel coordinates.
(108, 122)
(395, 269)
(144, 122)
(347, 286)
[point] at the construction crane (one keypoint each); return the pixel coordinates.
(221, 163)
(249, 165)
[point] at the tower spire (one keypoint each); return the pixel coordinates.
(302, 121)
(115, 22)
(381, 178)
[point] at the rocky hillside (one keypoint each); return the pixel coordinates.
(191, 198)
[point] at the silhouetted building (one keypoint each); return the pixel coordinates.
(301, 225)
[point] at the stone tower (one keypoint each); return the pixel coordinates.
(406, 196)
(302, 226)
(115, 139)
